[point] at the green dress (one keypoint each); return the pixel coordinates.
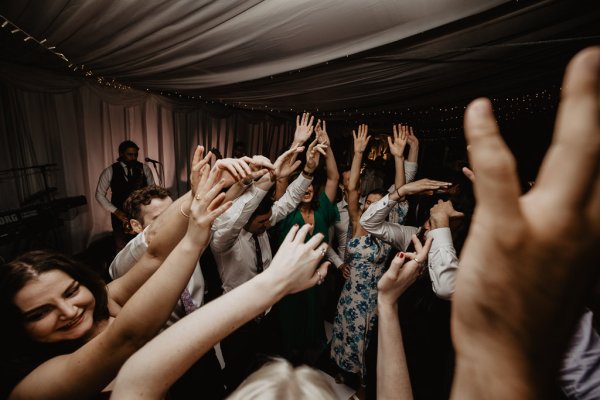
(300, 314)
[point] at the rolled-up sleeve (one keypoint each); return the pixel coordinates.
(442, 262)
(373, 221)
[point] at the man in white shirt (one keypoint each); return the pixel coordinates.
(122, 178)
(242, 250)
(144, 206)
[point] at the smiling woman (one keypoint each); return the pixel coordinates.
(66, 334)
(57, 314)
(58, 304)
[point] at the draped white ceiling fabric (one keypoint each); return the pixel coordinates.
(198, 44)
(277, 56)
(326, 54)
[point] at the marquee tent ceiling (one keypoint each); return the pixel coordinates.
(326, 54)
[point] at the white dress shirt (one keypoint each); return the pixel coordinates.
(442, 262)
(233, 247)
(133, 251)
(104, 185)
(374, 221)
(341, 227)
(580, 371)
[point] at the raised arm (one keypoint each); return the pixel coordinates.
(413, 143)
(374, 221)
(361, 139)
(517, 298)
(393, 381)
(90, 368)
(153, 369)
(397, 142)
(304, 128)
(162, 235)
(443, 261)
(333, 176)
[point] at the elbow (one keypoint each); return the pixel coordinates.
(444, 293)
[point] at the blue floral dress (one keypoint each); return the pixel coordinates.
(357, 306)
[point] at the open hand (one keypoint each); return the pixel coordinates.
(304, 128)
(361, 139)
(398, 140)
(207, 204)
(529, 261)
(422, 186)
(411, 139)
(295, 263)
(287, 162)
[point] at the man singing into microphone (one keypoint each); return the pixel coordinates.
(122, 177)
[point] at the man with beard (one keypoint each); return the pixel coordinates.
(122, 177)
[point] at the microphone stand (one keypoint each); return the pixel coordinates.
(160, 172)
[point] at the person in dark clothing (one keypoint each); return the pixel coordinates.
(122, 177)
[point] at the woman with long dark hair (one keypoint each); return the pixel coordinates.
(67, 333)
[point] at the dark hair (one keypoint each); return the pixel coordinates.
(314, 203)
(344, 168)
(126, 145)
(143, 197)
(378, 191)
(264, 206)
(20, 354)
(463, 200)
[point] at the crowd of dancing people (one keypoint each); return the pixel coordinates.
(461, 287)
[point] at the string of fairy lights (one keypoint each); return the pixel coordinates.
(81, 69)
(445, 119)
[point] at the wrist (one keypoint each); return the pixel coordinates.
(386, 305)
(439, 221)
(273, 176)
(271, 284)
(306, 173)
(399, 193)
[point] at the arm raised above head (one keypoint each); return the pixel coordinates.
(152, 370)
(517, 298)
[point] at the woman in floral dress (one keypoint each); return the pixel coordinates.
(366, 256)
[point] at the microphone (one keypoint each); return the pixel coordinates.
(151, 160)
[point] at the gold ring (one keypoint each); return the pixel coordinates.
(197, 197)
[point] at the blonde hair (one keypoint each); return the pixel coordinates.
(278, 379)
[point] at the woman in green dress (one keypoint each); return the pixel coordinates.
(300, 314)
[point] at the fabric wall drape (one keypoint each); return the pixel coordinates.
(47, 119)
